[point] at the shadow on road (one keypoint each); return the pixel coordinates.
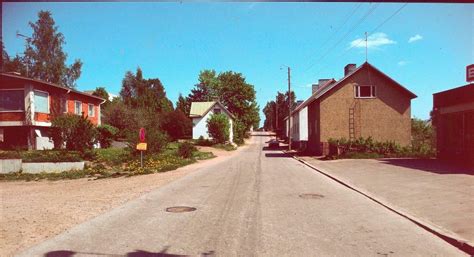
(137, 253)
(277, 155)
(430, 165)
(280, 148)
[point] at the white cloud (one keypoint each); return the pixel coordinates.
(415, 38)
(373, 41)
(402, 63)
(306, 86)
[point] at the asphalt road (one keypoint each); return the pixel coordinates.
(249, 205)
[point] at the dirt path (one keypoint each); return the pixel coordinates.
(33, 211)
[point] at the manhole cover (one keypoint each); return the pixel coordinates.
(180, 209)
(311, 196)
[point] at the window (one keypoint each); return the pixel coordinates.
(364, 91)
(91, 112)
(217, 110)
(78, 107)
(41, 101)
(12, 100)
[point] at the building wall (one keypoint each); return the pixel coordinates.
(303, 124)
(295, 127)
(21, 128)
(387, 117)
(57, 99)
(454, 122)
(314, 137)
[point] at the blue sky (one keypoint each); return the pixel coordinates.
(425, 47)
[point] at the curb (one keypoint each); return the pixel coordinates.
(454, 240)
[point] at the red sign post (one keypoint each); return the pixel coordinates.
(470, 73)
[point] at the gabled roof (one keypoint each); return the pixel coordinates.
(326, 88)
(14, 76)
(200, 109)
(311, 98)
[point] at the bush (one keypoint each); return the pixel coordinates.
(156, 140)
(203, 142)
(105, 135)
(239, 132)
(75, 132)
(218, 127)
(177, 125)
(51, 156)
(186, 150)
(368, 148)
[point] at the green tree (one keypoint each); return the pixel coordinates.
(208, 88)
(44, 54)
(177, 125)
(231, 89)
(270, 118)
(423, 136)
(218, 127)
(102, 93)
(276, 111)
(183, 104)
(145, 94)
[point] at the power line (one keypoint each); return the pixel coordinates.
(381, 24)
(349, 14)
(345, 35)
(371, 32)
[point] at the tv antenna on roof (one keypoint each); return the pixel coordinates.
(366, 46)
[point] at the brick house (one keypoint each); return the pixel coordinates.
(365, 102)
(453, 117)
(27, 107)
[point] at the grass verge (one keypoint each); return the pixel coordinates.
(114, 162)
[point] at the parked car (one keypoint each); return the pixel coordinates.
(273, 143)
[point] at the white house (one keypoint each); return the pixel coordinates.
(202, 111)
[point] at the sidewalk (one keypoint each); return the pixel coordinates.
(438, 196)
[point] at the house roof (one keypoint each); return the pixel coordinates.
(200, 109)
(311, 98)
(330, 85)
(14, 76)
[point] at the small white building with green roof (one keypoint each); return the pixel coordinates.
(200, 113)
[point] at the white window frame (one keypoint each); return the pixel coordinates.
(75, 107)
(89, 110)
(44, 92)
(65, 105)
(15, 89)
(373, 91)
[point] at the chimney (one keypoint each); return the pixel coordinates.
(322, 82)
(349, 69)
(316, 87)
(298, 103)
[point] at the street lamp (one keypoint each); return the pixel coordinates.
(28, 62)
(289, 105)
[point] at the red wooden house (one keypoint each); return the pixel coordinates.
(27, 107)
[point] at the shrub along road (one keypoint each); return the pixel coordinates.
(258, 203)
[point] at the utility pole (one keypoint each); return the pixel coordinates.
(289, 110)
(276, 115)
